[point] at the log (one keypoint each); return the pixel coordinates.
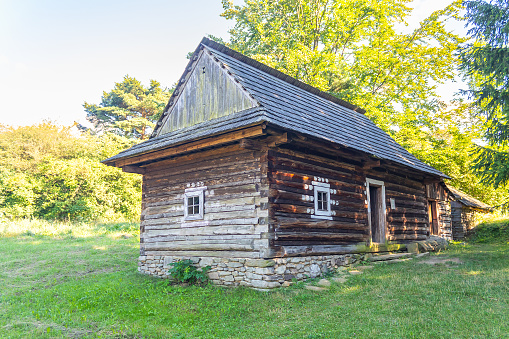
(190, 146)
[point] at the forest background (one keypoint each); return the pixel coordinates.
(359, 51)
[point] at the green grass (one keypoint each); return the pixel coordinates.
(491, 232)
(81, 281)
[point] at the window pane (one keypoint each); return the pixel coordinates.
(190, 201)
(190, 210)
(322, 201)
(196, 200)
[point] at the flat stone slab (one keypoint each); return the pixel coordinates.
(438, 260)
(364, 267)
(355, 272)
(394, 261)
(324, 283)
(339, 280)
(390, 256)
(420, 255)
(315, 288)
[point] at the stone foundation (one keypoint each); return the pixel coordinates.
(256, 273)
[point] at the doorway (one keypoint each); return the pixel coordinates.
(433, 217)
(375, 190)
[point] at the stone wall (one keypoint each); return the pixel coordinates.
(257, 273)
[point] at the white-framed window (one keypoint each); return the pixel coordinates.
(322, 200)
(193, 203)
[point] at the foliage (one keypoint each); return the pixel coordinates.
(486, 61)
(53, 172)
(184, 271)
(361, 52)
(357, 50)
(448, 146)
(130, 109)
(88, 286)
(490, 232)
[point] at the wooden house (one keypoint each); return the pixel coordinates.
(267, 179)
(465, 211)
(439, 210)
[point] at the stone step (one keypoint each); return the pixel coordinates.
(339, 280)
(315, 288)
(386, 257)
(393, 261)
(323, 283)
(354, 272)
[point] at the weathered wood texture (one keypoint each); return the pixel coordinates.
(444, 219)
(209, 93)
(437, 192)
(463, 219)
(291, 172)
(235, 205)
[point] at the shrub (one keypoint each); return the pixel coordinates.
(185, 272)
(490, 232)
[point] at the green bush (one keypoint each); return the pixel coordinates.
(490, 232)
(185, 272)
(53, 172)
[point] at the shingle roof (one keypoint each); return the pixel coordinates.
(293, 105)
(467, 200)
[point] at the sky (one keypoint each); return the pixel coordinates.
(55, 54)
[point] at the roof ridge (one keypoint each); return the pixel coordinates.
(280, 75)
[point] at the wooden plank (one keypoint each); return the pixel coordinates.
(288, 251)
(197, 246)
(249, 132)
(320, 236)
(291, 223)
(214, 253)
(408, 220)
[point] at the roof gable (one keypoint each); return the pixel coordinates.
(274, 98)
(207, 92)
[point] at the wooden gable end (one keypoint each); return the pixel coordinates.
(209, 92)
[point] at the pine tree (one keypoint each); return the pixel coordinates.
(486, 62)
(130, 109)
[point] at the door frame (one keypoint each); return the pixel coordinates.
(434, 224)
(382, 216)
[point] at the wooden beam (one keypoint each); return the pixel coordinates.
(133, 169)
(370, 163)
(222, 139)
(264, 144)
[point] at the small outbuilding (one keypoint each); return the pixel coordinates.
(465, 211)
(267, 179)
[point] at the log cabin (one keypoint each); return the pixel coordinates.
(266, 179)
(465, 212)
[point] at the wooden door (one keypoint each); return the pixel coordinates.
(433, 217)
(376, 216)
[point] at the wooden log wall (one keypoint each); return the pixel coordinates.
(408, 221)
(438, 193)
(444, 219)
(463, 220)
(291, 172)
(235, 206)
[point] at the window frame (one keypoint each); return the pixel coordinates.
(191, 193)
(324, 188)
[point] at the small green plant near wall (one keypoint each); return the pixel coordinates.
(185, 272)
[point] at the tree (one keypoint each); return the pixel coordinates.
(53, 172)
(130, 109)
(486, 61)
(354, 50)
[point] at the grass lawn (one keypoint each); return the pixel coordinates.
(81, 281)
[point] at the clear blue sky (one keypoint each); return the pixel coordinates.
(54, 55)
